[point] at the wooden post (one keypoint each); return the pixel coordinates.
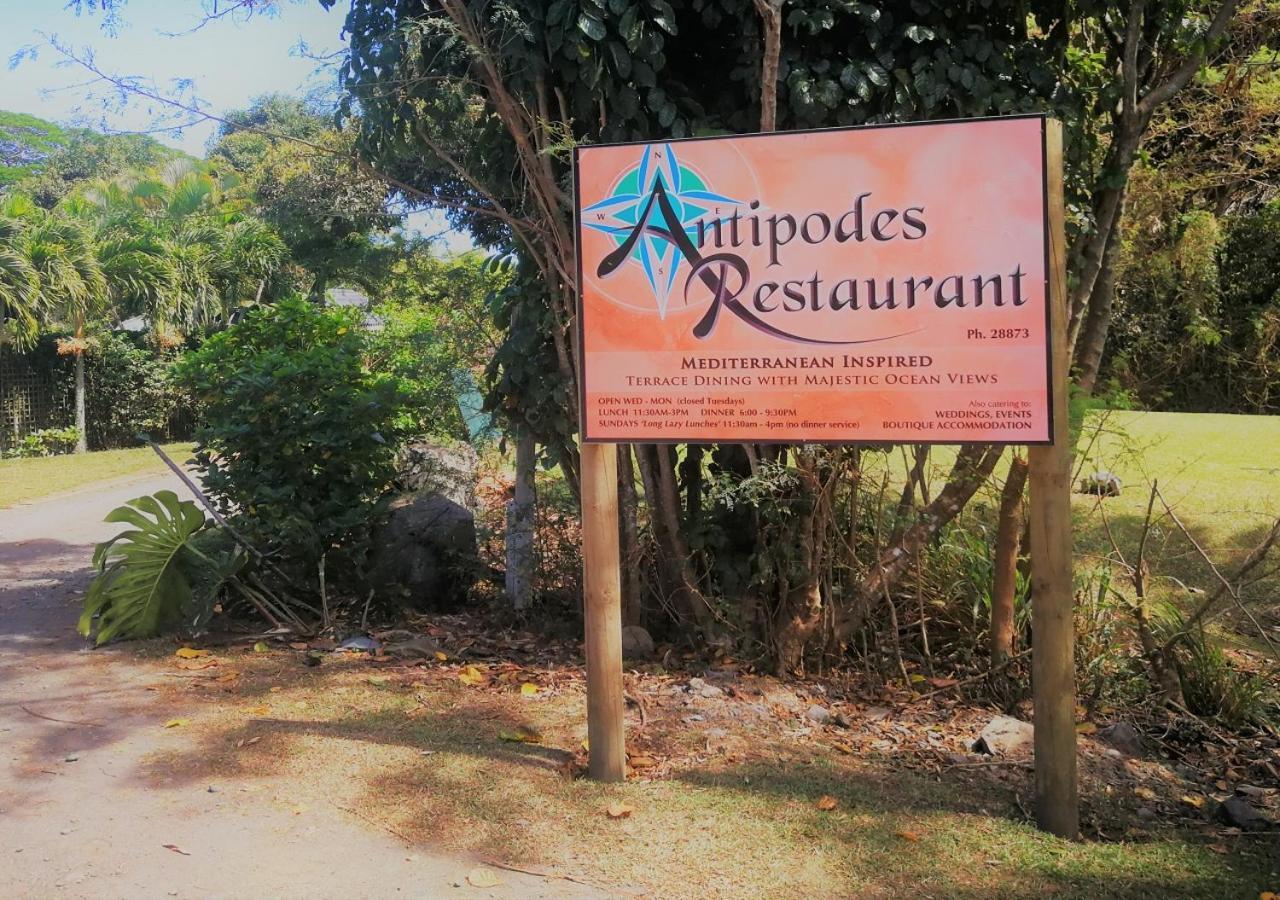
(602, 590)
(1052, 625)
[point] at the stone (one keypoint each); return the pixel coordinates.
(1241, 814)
(358, 643)
(702, 689)
(819, 714)
(636, 643)
(1004, 736)
(782, 697)
(1122, 736)
(445, 469)
(421, 647)
(426, 552)
(1102, 484)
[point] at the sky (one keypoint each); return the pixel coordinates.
(229, 62)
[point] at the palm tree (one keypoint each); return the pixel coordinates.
(73, 287)
(21, 303)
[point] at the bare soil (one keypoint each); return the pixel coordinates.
(84, 811)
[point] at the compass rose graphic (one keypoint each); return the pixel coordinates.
(618, 214)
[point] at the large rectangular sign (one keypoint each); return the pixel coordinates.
(860, 284)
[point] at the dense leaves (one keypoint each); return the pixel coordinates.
(297, 434)
(145, 574)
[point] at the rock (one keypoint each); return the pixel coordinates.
(876, 713)
(704, 690)
(636, 643)
(358, 643)
(782, 697)
(1004, 735)
(819, 714)
(1253, 792)
(445, 469)
(1123, 736)
(426, 552)
(1103, 484)
(420, 647)
(1242, 814)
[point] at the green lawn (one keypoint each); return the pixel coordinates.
(25, 480)
(1220, 473)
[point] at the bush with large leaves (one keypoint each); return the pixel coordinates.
(298, 433)
(152, 577)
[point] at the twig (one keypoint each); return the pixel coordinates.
(536, 872)
(32, 712)
(968, 681)
(1226, 586)
(372, 821)
(364, 618)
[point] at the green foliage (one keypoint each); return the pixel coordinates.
(324, 208)
(436, 334)
(144, 581)
(130, 391)
(297, 434)
(1197, 325)
(1215, 688)
(44, 442)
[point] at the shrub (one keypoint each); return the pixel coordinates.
(1215, 688)
(130, 390)
(45, 442)
(297, 433)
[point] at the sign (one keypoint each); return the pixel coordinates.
(862, 284)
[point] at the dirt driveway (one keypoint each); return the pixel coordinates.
(78, 816)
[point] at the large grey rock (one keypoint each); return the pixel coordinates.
(1004, 736)
(818, 714)
(636, 643)
(1123, 737)
(1242, 814)
(445, 469)
(426, 552)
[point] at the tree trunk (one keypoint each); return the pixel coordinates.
(1005, 583)
(629, 539)
(521, 512)
(1093, 338)
(974, 464)
(664, 518)
(82, 436)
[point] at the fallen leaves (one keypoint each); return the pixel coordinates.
(472, 676)
(912, 837)
(204, 662)
(528, 689)
(826, 803)
(619, 810)
(247, 742)
(641, 762)
(521, 734)
(480, 877)
(176, 849)
(177, 723)
(189, 653)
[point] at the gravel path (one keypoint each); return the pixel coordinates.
(77, 816)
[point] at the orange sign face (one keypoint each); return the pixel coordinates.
(863, 284)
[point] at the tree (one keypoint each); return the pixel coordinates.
(475, 106)
(21, 303)
(326, 210)
(73, 286)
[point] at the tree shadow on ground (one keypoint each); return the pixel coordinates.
(437, 772)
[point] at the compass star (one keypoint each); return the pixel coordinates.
(690, 197)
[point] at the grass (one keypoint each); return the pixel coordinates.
(25, 480)
(733, 813)
(1219, 473)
